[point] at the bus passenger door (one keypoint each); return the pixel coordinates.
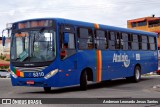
(68, 57)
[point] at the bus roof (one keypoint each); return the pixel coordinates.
(91, 25)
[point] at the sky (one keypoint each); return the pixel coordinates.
(108, 12)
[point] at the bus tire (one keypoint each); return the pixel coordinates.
(47, 89)
(158, 73)
(83, 81)
(137, 74)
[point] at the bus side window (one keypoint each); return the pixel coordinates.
(85, 40)
(112, 38)
(100, 40)
(130, 41)
(152, 43)
(144, 43)
(124, 41)
(118, 40)
(135, 43)
(155, 41)
(140, 41)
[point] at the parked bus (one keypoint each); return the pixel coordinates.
(60, 52)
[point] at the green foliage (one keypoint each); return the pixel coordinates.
(2, 57)
(7, 59)
(4, 67)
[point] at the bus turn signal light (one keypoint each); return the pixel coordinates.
(67, 75)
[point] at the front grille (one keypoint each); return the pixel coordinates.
(33, 69)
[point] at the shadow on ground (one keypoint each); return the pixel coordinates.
(91, 86)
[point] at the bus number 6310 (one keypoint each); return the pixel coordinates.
(38, 74)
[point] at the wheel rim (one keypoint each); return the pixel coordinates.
(137, 74)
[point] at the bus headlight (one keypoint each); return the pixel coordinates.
(50, 74)
(13, 74)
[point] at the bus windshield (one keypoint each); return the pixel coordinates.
(33, 46)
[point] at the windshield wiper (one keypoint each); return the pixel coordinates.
(17, 59)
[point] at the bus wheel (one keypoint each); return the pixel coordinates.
(47, 89)
(137, 74)
(158, 73)
(83, 81)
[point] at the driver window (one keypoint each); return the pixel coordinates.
(68, 41)
(67, 45)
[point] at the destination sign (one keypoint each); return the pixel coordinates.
(35, 23)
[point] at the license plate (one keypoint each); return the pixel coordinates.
(30, 82)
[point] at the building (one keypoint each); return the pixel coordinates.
(151, 24)
(5, 51)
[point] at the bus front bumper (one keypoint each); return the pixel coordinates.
(34, 82)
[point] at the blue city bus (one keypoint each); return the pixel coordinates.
(56, 52)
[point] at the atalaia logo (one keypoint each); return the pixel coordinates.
(121, 58)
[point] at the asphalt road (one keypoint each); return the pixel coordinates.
(120, 88)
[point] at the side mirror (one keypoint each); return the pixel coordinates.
(66, 38)
(3, 40)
